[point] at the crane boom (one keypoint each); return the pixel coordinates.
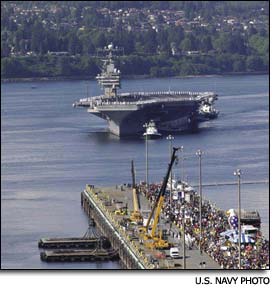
(136, 214)
(136, 205)
(133, 174)
(160, 198)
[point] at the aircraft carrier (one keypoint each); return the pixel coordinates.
(126, 113)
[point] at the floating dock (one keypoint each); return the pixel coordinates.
(109, 207)
(79, 255)
(76, 242)
(91, 247)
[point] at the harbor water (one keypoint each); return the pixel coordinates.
(51, 150)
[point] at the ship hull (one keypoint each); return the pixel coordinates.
(175, 117)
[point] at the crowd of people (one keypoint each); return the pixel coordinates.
(213, 222)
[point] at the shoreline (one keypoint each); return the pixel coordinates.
(74, 78)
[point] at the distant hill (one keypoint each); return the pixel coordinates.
(159, 38)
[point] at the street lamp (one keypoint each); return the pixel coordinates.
(199, 154)
(184, 240)
(238, 174)
(146, 142)
(87, 89)
(170, 138)
(182, 175)
(183, 216)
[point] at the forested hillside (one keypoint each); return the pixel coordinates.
(159, 38)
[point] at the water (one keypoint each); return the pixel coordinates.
(51, 150)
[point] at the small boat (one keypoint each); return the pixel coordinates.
(151, 131)
(207, 112)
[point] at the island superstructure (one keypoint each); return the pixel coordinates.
(126, 113)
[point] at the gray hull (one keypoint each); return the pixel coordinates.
(169, 117)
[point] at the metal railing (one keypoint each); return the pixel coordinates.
(139, 98)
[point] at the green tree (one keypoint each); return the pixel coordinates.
(162, 40)
(64, 67)
(36, 37)
(259, 45)
(23, 46)
(223, 43)
(74, 45)
(206, 43)
(189, 43)
(237, 44)
(99, 39)
(254, 63)
(239, 64)
(89, 66)
(150, 42)
(175, 34)
(224, 61)
(11, 68)
(5, 49)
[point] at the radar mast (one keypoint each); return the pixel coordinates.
(109, 79)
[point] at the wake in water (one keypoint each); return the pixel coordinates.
(248, 96)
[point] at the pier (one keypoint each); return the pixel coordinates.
(105, 205)
(96, 205)
(232, 183)
(112, 207)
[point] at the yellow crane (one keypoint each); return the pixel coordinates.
(136, 214)
(153, 239)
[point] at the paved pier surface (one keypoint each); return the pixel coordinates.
(118, 197)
